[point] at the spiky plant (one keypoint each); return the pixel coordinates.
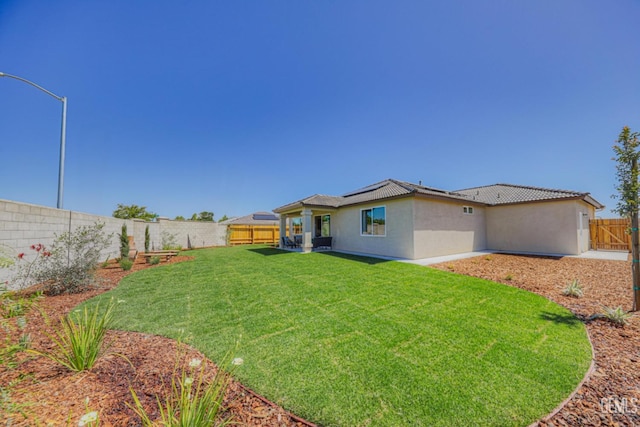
(573, 289)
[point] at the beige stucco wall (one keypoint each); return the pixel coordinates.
(421, 228)
(398, 241)
(442, 228)
(544, 227)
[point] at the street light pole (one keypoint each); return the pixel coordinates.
(63, 132)
(63, 140)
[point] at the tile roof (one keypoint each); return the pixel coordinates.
(256, 218)
(491, 195)
(393, 188)
(315, 200)
(501, 194)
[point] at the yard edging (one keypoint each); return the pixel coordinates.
(587, 375)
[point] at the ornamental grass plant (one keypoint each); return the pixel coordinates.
(617, 315)
(79, 337)
(194, 400)
(573, 289)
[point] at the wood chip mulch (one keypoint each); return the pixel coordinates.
(42, 393)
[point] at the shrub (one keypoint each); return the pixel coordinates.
(192, 401)
(70, 265)
(154, 260)
(616, 315)
(573, 289)
(124, 242)
(126, 264)
(78, 340)
(147, 239)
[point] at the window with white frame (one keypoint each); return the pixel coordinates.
(373, 221)
(467, 210)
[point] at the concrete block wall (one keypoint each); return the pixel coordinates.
(199, 234)
(23, 225)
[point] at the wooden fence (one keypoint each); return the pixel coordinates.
(253, 234)
(610, 234)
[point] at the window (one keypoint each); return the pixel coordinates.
(467, 210)
(296, 225)
(373, 221)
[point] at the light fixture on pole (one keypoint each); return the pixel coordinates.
(63, 132)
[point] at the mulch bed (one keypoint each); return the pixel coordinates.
(54, 396)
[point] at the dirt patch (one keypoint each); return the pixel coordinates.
(611, 396)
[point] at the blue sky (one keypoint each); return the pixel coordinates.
(240, 106)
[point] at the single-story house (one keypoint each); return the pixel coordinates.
(403, 220)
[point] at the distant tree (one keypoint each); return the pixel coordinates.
(205, 216)
(202, 216)
(134, 211)
(628, 188)
(179, 218)
(224, 218)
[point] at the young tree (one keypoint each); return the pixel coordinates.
(133, 211)
(628, 188)
(147, 239)
(124, 243)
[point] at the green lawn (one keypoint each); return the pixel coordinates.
(350, 341)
